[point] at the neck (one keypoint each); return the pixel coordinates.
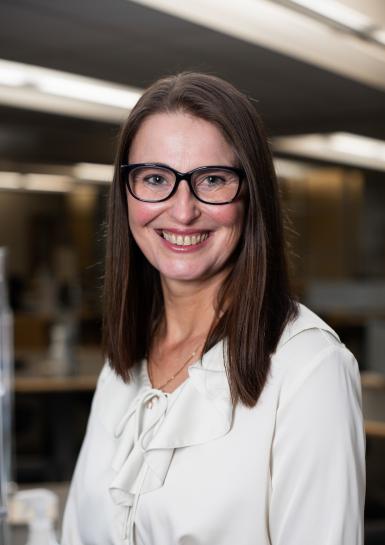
(189, 308)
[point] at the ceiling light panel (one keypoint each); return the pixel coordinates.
(345, 148)
(47, 182)
(93, 172)
(55, 178)
(48, 90)
(281, 29)
(379, 36)
(338, 12)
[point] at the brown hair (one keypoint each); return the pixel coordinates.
(255, 299)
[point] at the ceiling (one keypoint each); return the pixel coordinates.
(127, 43)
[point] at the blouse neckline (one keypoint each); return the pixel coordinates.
(144, 378)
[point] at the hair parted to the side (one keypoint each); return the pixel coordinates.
(254, 303)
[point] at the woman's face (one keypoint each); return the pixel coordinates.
(184, 142)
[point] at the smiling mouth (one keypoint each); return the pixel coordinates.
(184, 240)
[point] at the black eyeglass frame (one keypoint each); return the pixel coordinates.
(179, 176)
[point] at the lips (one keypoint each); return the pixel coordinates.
(184, 240)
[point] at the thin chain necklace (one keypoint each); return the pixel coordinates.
(174, 375)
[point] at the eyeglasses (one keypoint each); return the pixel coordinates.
(153, 182)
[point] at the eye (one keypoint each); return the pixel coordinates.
(210, 180)
(214, 180)
(154, 179)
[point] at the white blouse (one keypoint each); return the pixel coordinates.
(186, 469)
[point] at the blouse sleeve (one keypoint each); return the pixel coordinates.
(318, 456)
(70, 528)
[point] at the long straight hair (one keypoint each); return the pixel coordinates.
(254, 303)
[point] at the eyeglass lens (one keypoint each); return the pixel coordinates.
(211, 185)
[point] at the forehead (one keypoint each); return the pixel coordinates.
(179, 138)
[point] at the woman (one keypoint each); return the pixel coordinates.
(227, 414)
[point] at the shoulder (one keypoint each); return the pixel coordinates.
(305, 336)
(306, 321)
(318, 386)
(310, 351)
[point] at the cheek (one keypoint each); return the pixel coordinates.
(230, 216)
(139, 213)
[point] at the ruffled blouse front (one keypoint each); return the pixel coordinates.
(131, 437)
(189, 469)
(151, 429)
(140, 469)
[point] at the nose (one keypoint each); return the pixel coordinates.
(184, 206)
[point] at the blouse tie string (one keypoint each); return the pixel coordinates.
(135, 431)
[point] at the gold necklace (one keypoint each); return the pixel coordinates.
(174, 375)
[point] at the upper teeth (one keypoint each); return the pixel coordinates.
(186, 240)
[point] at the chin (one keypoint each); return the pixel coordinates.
(183, 277)
(188, 275)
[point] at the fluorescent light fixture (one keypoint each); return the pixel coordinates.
(60, 92)
(287, 168)
(369, 148)
(51, 183)
(55, 178)
(285, 30)
(346, 148)
(93, 172)
(10, 180)
(11, 74)
(47, 182)
(379, 35)
(86, 90)
(338, 12)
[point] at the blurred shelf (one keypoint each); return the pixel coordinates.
(41, 374)
(371, 379)
(55, 384)
(375, 428)
(83, 313)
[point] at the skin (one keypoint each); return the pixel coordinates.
(190, 276)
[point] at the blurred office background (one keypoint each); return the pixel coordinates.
(69, 73)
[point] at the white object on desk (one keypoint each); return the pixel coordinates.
(39, 507)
